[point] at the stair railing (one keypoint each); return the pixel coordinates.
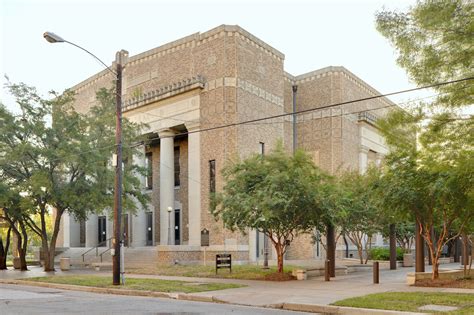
(97, 249)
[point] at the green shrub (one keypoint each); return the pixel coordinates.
(383, 253)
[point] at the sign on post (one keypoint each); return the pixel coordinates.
(205, 237)
(224, 261)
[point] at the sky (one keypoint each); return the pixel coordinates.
(312, 35)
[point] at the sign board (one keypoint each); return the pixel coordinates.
(205, 237)
(224, 261)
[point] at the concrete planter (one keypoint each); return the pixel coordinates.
(65, 263)
(443, 274)
(16, 262)
(301, 275)
(407, 260)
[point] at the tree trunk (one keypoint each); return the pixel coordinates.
(4, 250)
(279, 251)
(23, 247)
(367, 248)
(50, 249)
(435, 274)
(21, 243)
(465, 252)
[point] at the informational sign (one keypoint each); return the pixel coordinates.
(205, 237)
(224, 261)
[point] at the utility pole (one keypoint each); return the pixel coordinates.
(118, 172)
(119, 62)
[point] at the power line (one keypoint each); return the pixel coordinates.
(319, 108)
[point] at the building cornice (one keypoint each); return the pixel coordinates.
(164, 92)
(192, 40)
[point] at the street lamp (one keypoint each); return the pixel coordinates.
(53, 38)
(169, 224)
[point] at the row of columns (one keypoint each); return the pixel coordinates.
(167, 198)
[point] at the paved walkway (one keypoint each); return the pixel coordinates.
(261, 293)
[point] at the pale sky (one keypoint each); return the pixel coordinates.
(311, 34)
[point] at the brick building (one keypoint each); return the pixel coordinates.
(223, 76)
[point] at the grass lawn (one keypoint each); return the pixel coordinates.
(138, 284)
(247, 272)
(411, 301)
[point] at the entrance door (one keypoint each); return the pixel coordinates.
(177, 227)
(102, 230)
(149, 229)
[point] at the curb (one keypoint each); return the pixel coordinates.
(343, 310)
(310, 308)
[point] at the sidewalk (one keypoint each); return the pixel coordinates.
(266, 293)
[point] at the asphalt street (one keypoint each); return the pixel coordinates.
(15, 299)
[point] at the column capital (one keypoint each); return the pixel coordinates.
(193, 125)
(166, 133)
(364, 149)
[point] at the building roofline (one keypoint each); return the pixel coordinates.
(192, 40)
(315, 73)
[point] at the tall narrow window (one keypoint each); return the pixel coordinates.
(149, 170)
(212, 176)
(262, 148)
(176, 166)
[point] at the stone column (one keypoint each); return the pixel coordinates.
(194, 184)
(71, 231)
(378, 159)
(138, 220)
(166, 186)
(92, 230)
(363, 159)
(139, 228)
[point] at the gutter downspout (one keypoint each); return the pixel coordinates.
(295, 89)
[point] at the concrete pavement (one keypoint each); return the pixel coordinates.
(313, 292)
(16, 299)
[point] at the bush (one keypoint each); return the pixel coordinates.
(383, 253)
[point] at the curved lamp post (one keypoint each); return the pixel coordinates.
(53, 38)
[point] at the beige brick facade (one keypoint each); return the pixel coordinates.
(226, 76)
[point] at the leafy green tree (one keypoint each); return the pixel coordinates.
(277, 194)
(60, 159)
(434, 42)
(431, 178)
(358, 215)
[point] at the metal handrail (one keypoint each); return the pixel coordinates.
(105, 251)
(96, 249)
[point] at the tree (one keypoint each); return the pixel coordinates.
(275, 194)
(430, 179)
(4, 247)
(434, 44)
(12, 214)
(358, 213)
(60, 159)
(404, 233)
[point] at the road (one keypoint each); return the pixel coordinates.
(15, 299)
